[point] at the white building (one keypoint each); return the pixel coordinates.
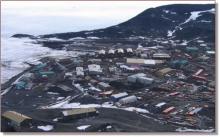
(79, 71)
(102, 52)
(95, 69)
(104, 86)
(161, 55)
(145, 80)
(111, 51)
(116, 97)
(210, 52)
(133, 78)
(129, 50)
(120, 51)
(145, 62)
(127, 68)
(140, 78)
(129, 99)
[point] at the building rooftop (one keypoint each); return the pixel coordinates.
(15, 116)
(78, 111)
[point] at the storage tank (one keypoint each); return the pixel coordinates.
(129, 50)
(102, 52)
(111, 51)
(121, 51)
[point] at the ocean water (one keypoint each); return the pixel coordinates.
(34, 18)
(15, 52)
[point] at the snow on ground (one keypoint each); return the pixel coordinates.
(206, 21)
(167, 11)
(184, 43)
(5, 91)
(140, 110)
(52, 93)
(59, 98)
(108, 127)
(46, 128)
(169, 33)
(89, 32)
(17, 51)
(83, 127)
(59, 104)
(93, 37)
(14, 54)
(71, 105)
(54, 39)
(66, 105)
(194, 130)
(55, 119)
(79, 87)
(94, 88)
(76, 38)
(194, 15)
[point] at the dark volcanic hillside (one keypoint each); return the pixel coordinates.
(179, 21)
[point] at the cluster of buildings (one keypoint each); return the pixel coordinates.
(175, 85)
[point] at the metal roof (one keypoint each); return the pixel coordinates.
(144, 61)
(119, 95)
(94, 67)
(78, 111)
(15, 116)
(164, 71)
(79, 71)
(103, 84)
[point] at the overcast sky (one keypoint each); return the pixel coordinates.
(43, 17)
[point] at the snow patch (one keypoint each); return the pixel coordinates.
(54, 39)
(93, 37)
(195, 14)
(52, 93)
(59, 98)
(83, 127)
(46, 128)
(184, 43)
(90, 32)
(71, 105)
(206, 21)
(140, 110)
(93, 88)
(55, 119)
(15, 52)
(77, 38)
(108, 127)
(170, 33)
(59, 104)
(65, 104)
(194, 130)
(166, 11)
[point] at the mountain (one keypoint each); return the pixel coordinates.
(23, 36)
(178, 21)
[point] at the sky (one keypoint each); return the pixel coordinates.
(45, 17)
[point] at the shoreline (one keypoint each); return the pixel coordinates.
(8, 83)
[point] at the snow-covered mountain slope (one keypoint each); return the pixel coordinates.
(178, 21)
